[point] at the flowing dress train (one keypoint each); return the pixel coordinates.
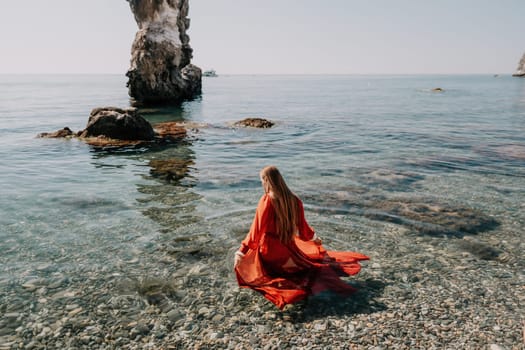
(287, 273)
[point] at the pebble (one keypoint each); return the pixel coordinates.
(319, 326)
(497, 347)
(31, 345)
(175, 315)
(74, 312)
(29, 286)
(11, 316)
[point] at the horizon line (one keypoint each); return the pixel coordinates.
(263, 74)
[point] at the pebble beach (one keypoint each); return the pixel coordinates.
(432, 297)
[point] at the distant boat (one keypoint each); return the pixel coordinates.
(209, 73)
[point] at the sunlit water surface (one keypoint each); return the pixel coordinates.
(343, 143)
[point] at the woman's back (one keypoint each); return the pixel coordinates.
(280, 257)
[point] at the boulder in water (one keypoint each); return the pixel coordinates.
(161, 72)
(255, 123)
(112, 127)
(118, 123)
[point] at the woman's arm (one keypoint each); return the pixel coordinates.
(306, 233)
(259, 223)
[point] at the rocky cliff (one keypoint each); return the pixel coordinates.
(520, 71)
(161, 71)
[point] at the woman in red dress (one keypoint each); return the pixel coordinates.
(281, 257)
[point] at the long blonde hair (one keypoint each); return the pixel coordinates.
(284, 202)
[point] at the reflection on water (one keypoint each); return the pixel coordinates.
(169, 200)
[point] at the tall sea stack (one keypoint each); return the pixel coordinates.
(520, 72)
(161, 72)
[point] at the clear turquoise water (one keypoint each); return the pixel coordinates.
(66, 207)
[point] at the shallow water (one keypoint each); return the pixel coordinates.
(357, 149)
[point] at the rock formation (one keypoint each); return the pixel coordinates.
(161, 72)
(118, 123)
(255, 123)
(520, 71)
(62, 133)
(112, 127)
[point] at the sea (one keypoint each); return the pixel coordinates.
(345, 144)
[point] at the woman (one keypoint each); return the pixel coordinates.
(281, 257)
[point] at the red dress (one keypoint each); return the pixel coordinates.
(287, 273)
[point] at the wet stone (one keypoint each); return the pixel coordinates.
(31, 345)
(11, 316)
(255, 123)
(141, 328)
(6, 331)
(175, 315)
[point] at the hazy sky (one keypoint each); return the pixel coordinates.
(275, 36)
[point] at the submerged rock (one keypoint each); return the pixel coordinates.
(390, 179)
(520, 71)
(170, 169)
(432, 218)
(479, 249)
(255, 123)
(426, 216)
(160, 70)
(107, 142)
(511, 151)
(65, 132)
(170, 130)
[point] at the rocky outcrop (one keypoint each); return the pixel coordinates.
(520, 71)
(112, 127)
(118, 123)
(170, 130)
(65, 132)
(255, 123)
(161, 72)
